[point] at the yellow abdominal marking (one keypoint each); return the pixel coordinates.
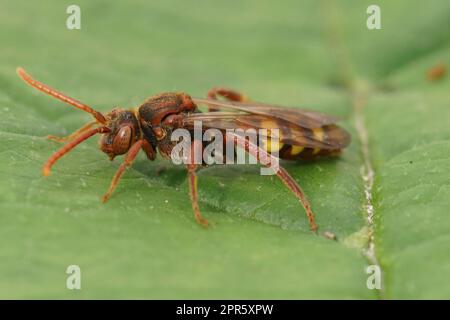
(273, 145)
(296, 150)
(318, 135)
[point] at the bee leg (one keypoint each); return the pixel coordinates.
(191, 166)
(192, 180)
(268, 160)
(73, 135)
(292, 185)
(148, 149)
(69, 146)
(226, 93)
(129, 158)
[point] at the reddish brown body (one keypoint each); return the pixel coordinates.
(303, 134)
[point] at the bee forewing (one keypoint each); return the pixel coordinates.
(302, 117)
(327, 137)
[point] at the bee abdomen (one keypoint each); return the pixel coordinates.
(331, 136)
(291, 152)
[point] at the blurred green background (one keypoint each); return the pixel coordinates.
(145, 243)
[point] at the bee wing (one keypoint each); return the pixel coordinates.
(331, 137)
(300, 117)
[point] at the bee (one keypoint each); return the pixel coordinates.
(304, 134)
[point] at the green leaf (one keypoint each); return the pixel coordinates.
(145, 243)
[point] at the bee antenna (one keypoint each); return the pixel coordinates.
(58, 95)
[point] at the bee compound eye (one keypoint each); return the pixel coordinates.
(122, 140)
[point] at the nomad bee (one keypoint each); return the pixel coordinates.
(303, 134)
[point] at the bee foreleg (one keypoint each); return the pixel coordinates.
(73, 135)
(69, 146)
(129, 158)
(148, 149)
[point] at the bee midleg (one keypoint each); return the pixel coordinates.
(192, 180)
(129, 158)
(73, 135)
(285, 177)
(226, 93)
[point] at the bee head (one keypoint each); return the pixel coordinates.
(124, 132)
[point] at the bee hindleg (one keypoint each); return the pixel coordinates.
(267, 159)
(292, 185)
(226, 93)
(129, 158)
